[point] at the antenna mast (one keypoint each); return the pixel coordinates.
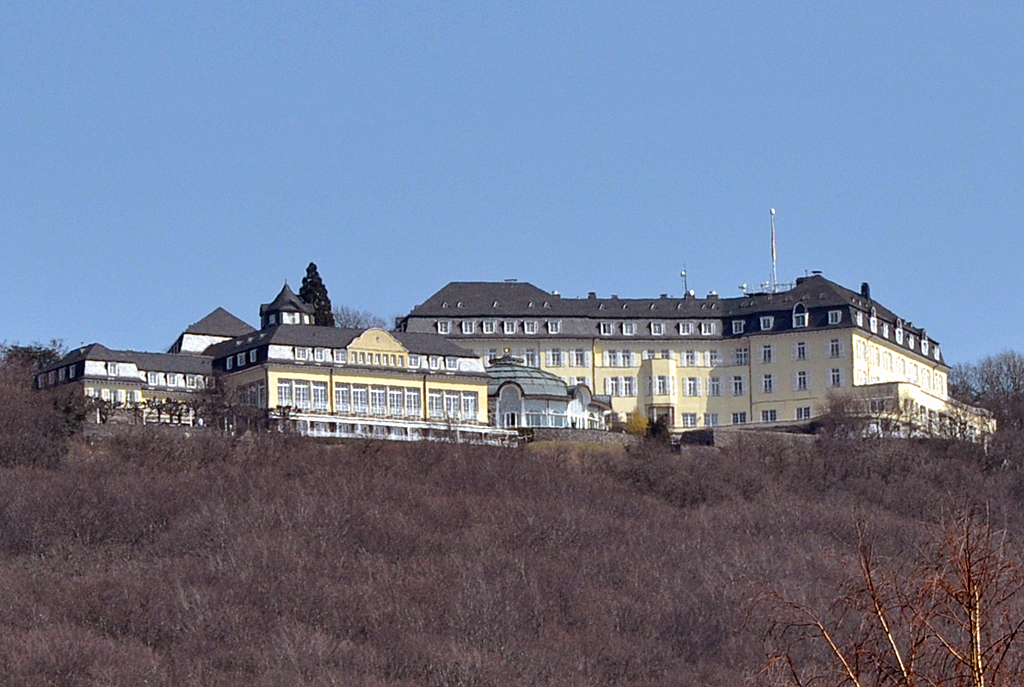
(775, 280)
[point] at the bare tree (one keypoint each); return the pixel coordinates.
(952, 616)
(351, 318)
(995, 383)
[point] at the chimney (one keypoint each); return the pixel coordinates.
(865, 290)
(592, 294)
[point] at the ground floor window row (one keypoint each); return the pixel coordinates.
(370, 399)
(115, 395)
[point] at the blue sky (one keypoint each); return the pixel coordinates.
(160, 159)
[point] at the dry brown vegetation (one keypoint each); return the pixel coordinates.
(161, 558)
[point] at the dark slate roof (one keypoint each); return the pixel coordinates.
(149, 362)
(523, 300)
(220, 323)
(286, 301)
(333, 337)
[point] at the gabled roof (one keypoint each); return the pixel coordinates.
(286, 301)
(220, 323)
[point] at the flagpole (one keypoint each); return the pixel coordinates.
(775, 279)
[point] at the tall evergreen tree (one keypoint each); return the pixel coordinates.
(314, 292)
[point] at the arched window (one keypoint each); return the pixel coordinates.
(799, 315)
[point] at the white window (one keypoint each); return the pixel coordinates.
(803, 413)
(444, 327)
(738, 326)
(768, 384)
(190, 381)
(530, 327)
(240, 359)
(301, 353)
(899, 335)
(435, 362)
(835, 348)
(629, 328)
(924, 346)
(648, 354)
(657, 328)
(662, 385)
(800, 319)
(835, 316)
(693, 386)
(737, 385)
(800, 381)
(378, 399)
(509, 326)
(690, 358)
(629, 386)
(112, 369)
(740, 356)
(578, 357)
(714, 386)
(71, 370)
(628, 359)
(555, 327)
(300, 390)
(318, 355)
(396, 401)
(412, 402)
(686, 328)
(152, 378)
(769, 415)
(739, 418)
(611, 358)
(710, 419)
(284, 392)
(468, 326)
(859, 318)
(885, 329)
(120, 396)
(229, 363)
(340, 355)
(320, 395)
(530, 357)
(836, 378)
(470, 403)
(135, 396)
(714, 357)
(451, 363)
(613, 386)
(414, 360)
(488, 327)
(800, 350)
(767, 353)
(767, 322)
(342, 397)
(606, 329)
(689, 419)
(556, 358)
(707, 328)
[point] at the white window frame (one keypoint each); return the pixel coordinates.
(487, 327)
(606, 329)
(509, 326)
(555, 327)
(707, 328)
(768, 383)
(629, 328)
(657, 328)
(738, 326)
(444, 327)
(800, 319)
(685, 328)
(468, 327)
(530, 327)
(767, 322)
(835, 316)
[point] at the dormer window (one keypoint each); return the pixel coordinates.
(799, 316)
(301, 353)
(924, 346)
(767, 322)
(509, 326)
(444, 327)
(252, 356)
(451, 363)
(657, 328)
(606, 329)
(272, 319)
(112, 369)
(629, 328)
(530, 327)
(910, 340)
(873, 321)
(835, 316)
(738, 326)
(885, 329)
(707, 328)
(686, 328)
(340, 355)
(240, 359)
(555, 327)
(488, 327)
(468, 326)
(859, 318)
